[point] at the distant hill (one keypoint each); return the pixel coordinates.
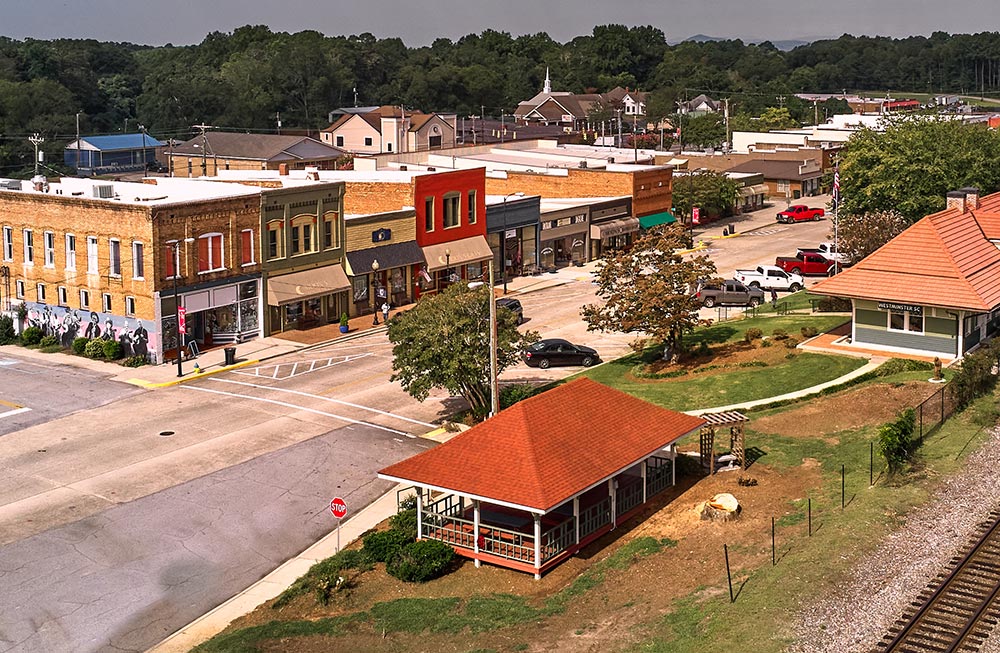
(787, 44)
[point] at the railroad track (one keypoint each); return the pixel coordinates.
(957, 611)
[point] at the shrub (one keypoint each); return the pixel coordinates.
(895, 440)
(511, 394)
(406, 519)
(325, 577)
(809, 332)
(48, 341)
(419, 562)
(897, 365)
(383, 546)
(833, 305)
(974, 378)
(135, 361)
(31, 336)
(344, 320)
(753, 333)
(779, 334)
(80, 345)
(113, 350)
(7, 333)
(791, 343)
(766, 343)
(703, 349)
(94, 349)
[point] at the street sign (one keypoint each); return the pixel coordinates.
(695, 214)
(338, 507)
(182, 320)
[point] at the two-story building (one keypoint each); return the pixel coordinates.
(372, 130)
(212, 152)
(383, 259)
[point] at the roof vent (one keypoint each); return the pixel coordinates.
(431, 169)
(104, 191)
(583, 164)
(611, 159)
(10, 184)
(404, 168)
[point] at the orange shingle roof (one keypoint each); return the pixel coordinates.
(542, 451)
(945, 259)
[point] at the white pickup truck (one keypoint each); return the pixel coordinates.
(767, 277)
(827, 250)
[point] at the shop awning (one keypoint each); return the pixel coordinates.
(308, 284)
(756, 189)
(666, 217)
(613, 228)
(457, 252)
(390, 256)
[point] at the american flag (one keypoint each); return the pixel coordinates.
(836, 187)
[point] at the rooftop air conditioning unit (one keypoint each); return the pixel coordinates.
(583, 164)
(431, 169)
(10, 184)
(404, 168)
(611, 159)
(104, 191)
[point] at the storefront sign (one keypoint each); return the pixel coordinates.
(510, 233)
(381, 235)
(901, 308)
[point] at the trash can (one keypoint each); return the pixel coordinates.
(230, 355)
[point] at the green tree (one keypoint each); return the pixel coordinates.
(708, 130)
(443, 342)
(712, 192)
(860, 235)
(648, 289)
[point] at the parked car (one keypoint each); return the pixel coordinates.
(770, 276)
(156, 166)
(827, 250)
(556, 351)
(800, 213)
(729, 292)
(512, 305)
(806, 263)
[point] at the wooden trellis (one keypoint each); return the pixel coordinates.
(735, 421)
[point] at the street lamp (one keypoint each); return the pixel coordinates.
(177, 303)
(503, 240)
(375, 287)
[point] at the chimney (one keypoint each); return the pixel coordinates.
(971, 196)
(955, 199)
(283, 169)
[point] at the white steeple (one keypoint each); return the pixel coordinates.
(548, 84)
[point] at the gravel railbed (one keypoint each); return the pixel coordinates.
(859, 614)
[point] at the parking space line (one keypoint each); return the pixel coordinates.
(328, 399)
(15, 411)
(297, 407)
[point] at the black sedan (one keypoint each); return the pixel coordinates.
(555, 351)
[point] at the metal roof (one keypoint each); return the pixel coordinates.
(117, 142)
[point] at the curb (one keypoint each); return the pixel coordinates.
(192, 376)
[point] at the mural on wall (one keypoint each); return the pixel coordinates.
(137, 337)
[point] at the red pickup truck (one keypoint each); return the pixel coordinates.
(806, 263)
(800, 213)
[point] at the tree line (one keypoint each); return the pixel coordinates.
(251, 77)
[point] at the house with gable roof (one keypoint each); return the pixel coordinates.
(111, 153)
(933, 290)
(211, 152)
(374, 130)
(571, 109)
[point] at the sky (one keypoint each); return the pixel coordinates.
(183, 22)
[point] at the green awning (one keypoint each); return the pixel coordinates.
(648, 221)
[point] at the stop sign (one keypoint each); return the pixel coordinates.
(338, 507)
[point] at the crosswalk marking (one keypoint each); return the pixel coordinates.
(765, 232)
(284, 371)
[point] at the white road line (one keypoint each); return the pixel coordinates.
(16, 411)
(297, 407)
(327, 362)
(322, 398)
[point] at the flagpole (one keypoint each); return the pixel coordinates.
(836, 218)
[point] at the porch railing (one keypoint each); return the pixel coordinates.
(453, 530)
(557, 539)
(595, 517)
(659, 475)
(461, 532)
(447, 505)
(628, 497)
(507, 544)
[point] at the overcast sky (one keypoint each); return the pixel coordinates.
(419, 22)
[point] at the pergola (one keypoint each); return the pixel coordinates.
(735, 421)
(529, 487)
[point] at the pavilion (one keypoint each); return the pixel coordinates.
(531, 486)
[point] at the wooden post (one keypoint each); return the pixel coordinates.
(729, 575)
(772, 542)
(576, 517)
(420, 501)
(475, 529)
(614, 506)
(538, 546)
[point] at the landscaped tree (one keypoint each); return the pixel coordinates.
(860, 235)
(443, 342)
(712, 192)
(649, 289)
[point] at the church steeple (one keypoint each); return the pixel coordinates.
(547, 88)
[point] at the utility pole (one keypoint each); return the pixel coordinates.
(142, 130)
(781, 101)
(77, 142)
(277, 118)
(494, 386)
(204, 147)
(635, 140)
(36, 140)
(728, 148)
(355, 96)
(815, 113)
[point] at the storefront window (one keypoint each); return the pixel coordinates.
(398, 280)
(475, 271)
(360, 285)
(528, 250)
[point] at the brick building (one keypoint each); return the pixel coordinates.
(213, 152)
(383, 259)
(99, 259)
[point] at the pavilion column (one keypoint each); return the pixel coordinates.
(673, 465)
(576, 517)
(644, 481)
(420, 507)
(475, 529)
(538, 546)
(611, 493)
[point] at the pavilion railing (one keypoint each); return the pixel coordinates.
(659, 475)
(628, 497)
(557, 539)
(494, 540)
(595, 517)
(507, 544)
(449, 504)
(453, 530)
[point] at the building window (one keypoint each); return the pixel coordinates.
(92, 255)
(452, 210)
(906, 321)
(303, 235)
(171, 259)
(471, 209)
(331, 230)
(388, 147)
(246, 247)
(368, 141)
(19, 289)
(106, 302)
(138, 266)
(275, 239)
(62, 296)
(429, 214)
(70, 252)
(40, 292)
(130, 306)
(340, 141)
(50, 249)
(84, 299)
(29, 247)
(8, 243)
(210, 253)
(114, 258)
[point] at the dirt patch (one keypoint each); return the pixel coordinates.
(721, 359)
(850, 409)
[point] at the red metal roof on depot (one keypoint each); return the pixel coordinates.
(543, 450)
(944, 260)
